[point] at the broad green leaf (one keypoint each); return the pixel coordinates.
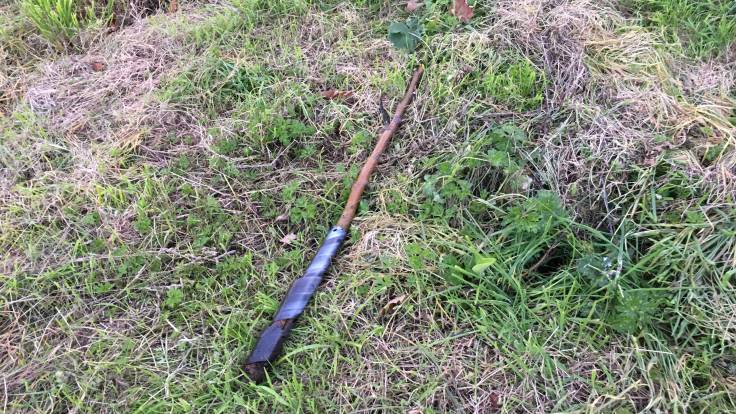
(483, 263)
(405, 36)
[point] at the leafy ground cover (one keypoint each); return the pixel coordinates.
(551, 231)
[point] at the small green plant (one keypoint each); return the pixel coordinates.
(56, 20)
(59, 21)
(519, 85)
(286, 131)
(405, 35)
(635, 311)
(174, 297)
(534, 215)
(490, 162)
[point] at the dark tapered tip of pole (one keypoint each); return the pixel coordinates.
(255, 371)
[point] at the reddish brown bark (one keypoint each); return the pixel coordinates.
(370, 164)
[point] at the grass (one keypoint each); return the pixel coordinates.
(63, 23)
(551, 230)
(700, 27)
(56, 20)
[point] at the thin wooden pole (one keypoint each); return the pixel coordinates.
(268, 347)
(370, 164)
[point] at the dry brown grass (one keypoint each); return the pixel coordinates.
(613, 93)
(103, 94)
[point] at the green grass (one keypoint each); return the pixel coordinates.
(700, 27)
(502, 259)
(56, 20)
(60, 21)
(517, 84)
